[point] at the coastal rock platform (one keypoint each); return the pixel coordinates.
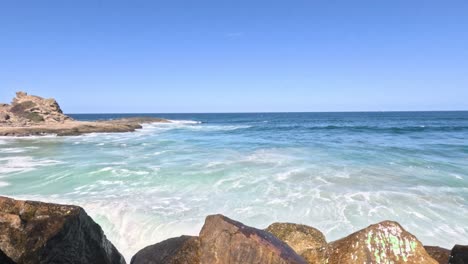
(29, 115)
(73, 128)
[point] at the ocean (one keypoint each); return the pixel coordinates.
(338, 172)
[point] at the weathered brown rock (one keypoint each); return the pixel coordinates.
(441, 255)
(36, 232)
(28, 110)
(4, 117)
(223, 240)
(459, 255)
(385, 242)
(307, 241)
(177, 250)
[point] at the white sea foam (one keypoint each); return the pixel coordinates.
(23, 164)
(29, 138)
(185, 122)
(102, 170)
(218, 127)
(103, 182)
(121, 172)
(163, 127)
(12, 150)
(157, 153)
(3, 184)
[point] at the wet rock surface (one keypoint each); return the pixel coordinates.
(36, 232)
(178, 250)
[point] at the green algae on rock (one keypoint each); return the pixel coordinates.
(385, 242)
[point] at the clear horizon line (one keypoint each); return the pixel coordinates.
(269, 112)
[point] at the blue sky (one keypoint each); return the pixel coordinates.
(236, 56)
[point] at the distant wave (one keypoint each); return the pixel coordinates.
(219, 127)
(189, 125)
(395, 129)
(185, 121)
(362, 128)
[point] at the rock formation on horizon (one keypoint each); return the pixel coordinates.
(33, 115)
(27, 110)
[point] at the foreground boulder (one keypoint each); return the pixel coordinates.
(441, 255)
(177, 250)
(385, 242)
(307, 241)
(223, 240)
(36, 232)
(459, 255)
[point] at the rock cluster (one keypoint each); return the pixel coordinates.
(28, 110)
(223, 240)
(36, 232)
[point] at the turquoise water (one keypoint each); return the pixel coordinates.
(338, 172)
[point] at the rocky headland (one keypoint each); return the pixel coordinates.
(37, 232)
(33, 115)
